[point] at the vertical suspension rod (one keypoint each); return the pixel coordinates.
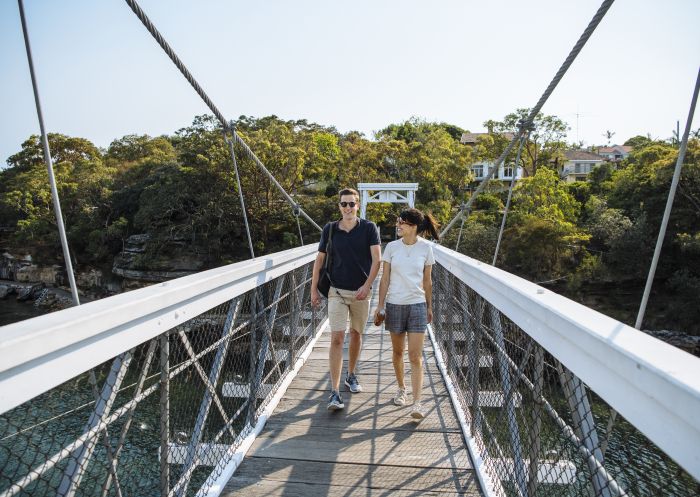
(49, 162)
(523, 140)
(669, 204)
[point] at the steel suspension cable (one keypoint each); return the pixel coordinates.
(523, 140)
(224, 122)
(49, 161)
(669, 204)
(527, 123)
(240, 193)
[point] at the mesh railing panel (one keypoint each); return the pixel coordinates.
(538, 428)
(165, 417)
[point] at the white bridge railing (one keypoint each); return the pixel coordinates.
(558, 399)
(160, 390)
(157, 391)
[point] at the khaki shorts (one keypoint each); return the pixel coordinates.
(342, 303)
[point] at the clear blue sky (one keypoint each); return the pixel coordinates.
(356, 65)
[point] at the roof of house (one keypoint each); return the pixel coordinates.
(471, 138)
(582, 155)
(615, 148)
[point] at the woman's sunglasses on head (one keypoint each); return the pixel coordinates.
(347, 204)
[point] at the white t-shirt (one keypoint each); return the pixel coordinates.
(407, 264)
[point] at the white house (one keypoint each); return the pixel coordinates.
(482, 169)
(616, 153)
(579, 164)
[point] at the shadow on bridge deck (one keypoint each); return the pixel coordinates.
(370, 448)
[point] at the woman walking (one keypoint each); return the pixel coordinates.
(406, 290)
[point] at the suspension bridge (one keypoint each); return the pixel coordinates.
(214, 384)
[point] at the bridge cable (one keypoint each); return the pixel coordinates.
(296, 211)
(461, 228)
(669, 204)
(186, 73)
(514, 173)
(527, 123)
(49, 162)
(240, 188)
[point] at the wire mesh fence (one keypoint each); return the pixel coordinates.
(538, 428)
(164, 418)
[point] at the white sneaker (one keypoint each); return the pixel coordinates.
(418, 411)
(400, 399)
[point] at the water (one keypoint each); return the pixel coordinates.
(12, 311)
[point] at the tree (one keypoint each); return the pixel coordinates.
(546, 143)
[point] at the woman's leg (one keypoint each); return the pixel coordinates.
(415, 355)
(398, 343)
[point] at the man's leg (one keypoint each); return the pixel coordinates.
(359, 313)
(335, 358)
(354, 348)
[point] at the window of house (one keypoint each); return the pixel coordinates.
(478, 170)
(508, 171)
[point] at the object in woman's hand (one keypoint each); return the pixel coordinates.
(379, 317)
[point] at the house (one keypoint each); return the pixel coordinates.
(616, 153)
(482, 169)
(578, 164)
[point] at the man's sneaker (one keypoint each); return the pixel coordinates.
(418, 411)
(335, 402)
(400, 399)
(352, 383)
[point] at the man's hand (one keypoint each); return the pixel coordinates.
(363, 292)
(315, 297)
(430, 315)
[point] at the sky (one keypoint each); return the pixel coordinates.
(357, 65)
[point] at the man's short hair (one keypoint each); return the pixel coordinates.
(349, 191)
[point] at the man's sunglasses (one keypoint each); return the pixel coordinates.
(348, 204)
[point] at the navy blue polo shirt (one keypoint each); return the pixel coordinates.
(351, 259)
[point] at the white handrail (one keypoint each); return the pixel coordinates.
(653, 385)
(41, 353)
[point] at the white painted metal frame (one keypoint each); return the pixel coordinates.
(394, 193)
(41, 353)
(655, 386)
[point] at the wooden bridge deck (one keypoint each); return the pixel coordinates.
(371, 448)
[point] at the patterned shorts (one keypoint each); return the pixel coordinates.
(412, 318)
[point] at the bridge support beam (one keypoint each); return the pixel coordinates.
(516, 446)
(584, 427)
(190, 463)
(79, 460)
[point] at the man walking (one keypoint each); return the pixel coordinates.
(355, 261)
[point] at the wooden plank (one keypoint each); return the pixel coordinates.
(398, 448)
(321, 383)
(266, 488)
(366, 355)
(322, 478)
(370, 448)
(366, 413)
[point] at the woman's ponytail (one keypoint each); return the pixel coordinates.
(429, 226)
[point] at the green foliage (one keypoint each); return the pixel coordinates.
(181, 191)
(540, 249)
(544, 196)
(544, 146)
